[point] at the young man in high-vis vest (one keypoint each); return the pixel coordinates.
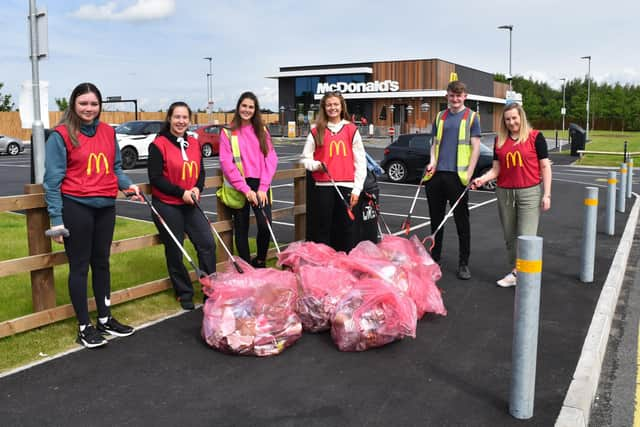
(454, 155)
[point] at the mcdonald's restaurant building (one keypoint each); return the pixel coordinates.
(405, 95)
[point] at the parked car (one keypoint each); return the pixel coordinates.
(209, 138)
(134, 138)
(406, 158)
(10, 146)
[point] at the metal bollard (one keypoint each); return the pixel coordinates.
(622, 188)
(526, 316)
(629, 177)
(589, 228)
(610, 217)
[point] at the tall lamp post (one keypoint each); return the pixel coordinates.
(563, 111)
(209, 86)
(588, 58)
(510, 28)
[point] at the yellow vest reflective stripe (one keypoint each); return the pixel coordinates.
(464, 142)
(235, 150)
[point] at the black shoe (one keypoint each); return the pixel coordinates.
(90, 337)
(258, 264)
(113, 327)
(187, 304)
(463, 272)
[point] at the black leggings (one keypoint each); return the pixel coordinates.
(89, 243)
(331, 223)
(241, 226)
(183, 219)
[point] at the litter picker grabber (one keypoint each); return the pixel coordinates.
(273, 236)
(199, 272)
(379, 216)
(213, 229)
(406, 225)
(349, 211)
(432, 237)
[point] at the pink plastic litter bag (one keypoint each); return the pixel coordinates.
(320, 289)
(302, 253)
(252, 313)
(372, 314)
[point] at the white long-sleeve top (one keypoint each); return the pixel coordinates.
(359, 159)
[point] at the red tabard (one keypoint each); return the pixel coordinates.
(519, 164)
(90, 164)
(337, 153)
(177, 171)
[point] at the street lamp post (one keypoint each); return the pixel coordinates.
(209, 86)
(588, 58)
(563, 111)
(510, 28)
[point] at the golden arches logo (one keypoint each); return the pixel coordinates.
(337, 145)
(95, 158)
(514, 158)
(189, 166)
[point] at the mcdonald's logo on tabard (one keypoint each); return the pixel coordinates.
(337, 145)
(514, 158)
(191, 166)
(95, 159)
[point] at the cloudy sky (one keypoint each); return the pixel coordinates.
(153, 50)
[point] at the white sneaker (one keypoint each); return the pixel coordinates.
(508, 281)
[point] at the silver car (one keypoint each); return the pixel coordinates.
(11, 146)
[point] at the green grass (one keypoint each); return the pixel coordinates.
(606, 141)
(127, 270)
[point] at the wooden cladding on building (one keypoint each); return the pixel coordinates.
(425, 74)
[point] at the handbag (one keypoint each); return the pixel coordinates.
(231, 197)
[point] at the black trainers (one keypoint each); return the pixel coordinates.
(258, 264)
(113, 327)
(90, 337)
(187, 304)
(463, 272)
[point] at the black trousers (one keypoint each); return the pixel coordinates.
(183, 219)
(331, 224)
(443, 187)
(88, 244)
(241, 226)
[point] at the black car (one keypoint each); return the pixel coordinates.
(406, 158)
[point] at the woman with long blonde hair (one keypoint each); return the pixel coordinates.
(335, 143)
(521, 165)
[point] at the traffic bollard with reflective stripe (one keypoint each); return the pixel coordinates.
(610, 217)
(526, 316)
(589, 228)
(629, 177)
(622, 188)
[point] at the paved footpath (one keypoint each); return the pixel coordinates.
(455, 373)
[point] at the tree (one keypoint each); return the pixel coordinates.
(5, 101)
(62, 104)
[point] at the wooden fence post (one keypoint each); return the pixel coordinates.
(300, 199)
(224, 213)
(43, 291)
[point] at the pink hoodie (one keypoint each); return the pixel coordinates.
(254, 163)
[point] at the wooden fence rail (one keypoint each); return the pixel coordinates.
(42, 259)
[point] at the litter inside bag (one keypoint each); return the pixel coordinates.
(252, 313)
(372, 314)
(301, 253)
(320, 289)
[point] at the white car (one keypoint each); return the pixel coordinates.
(10, 146)
(134, 138)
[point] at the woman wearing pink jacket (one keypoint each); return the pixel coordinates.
(251, 174)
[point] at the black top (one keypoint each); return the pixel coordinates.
(155, 165)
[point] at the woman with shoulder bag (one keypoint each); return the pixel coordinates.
(248, 162)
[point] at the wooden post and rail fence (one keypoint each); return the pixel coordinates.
(41, 260)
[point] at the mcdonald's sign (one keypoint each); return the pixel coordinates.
(189, 166)
(95, 158)
(514, 158)
(337, 145)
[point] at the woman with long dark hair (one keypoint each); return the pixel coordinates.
(248, 162)
(83, 173)
(336, 143)
(176, 173)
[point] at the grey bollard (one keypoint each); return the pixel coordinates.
(526, 316)
(629, 177)
(589, 228)
(622, 189)
(610, 217)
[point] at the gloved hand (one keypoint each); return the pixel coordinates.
(57, 233)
